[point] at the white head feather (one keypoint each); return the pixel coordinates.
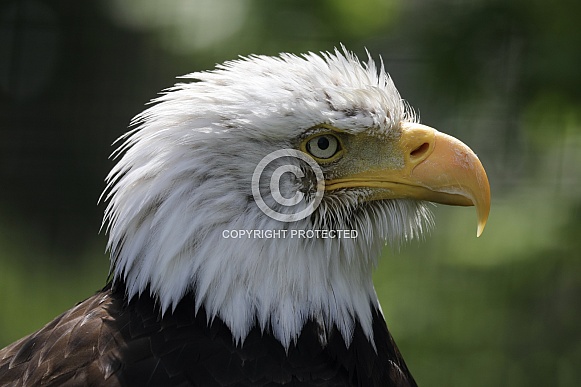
(185, 176)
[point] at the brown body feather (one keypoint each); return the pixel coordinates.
(105, 341)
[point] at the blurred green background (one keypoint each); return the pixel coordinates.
(503, 76)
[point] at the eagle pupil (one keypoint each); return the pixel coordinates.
(323, 143)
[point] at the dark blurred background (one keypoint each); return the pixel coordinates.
(503, 76)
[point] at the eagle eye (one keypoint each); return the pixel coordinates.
(323, 146)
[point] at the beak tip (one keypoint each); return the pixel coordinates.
(483, 206)
(481, 225)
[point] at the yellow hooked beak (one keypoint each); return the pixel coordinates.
(436, 167)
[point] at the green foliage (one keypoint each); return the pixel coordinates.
(499, 310)
(33, 290)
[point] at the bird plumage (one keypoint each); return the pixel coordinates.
(184, 178)
(189, 306)
(106, 340)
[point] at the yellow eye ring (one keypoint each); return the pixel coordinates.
(323, 147)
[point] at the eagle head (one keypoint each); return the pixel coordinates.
(266, 188)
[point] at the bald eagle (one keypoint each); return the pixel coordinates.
(245, 215)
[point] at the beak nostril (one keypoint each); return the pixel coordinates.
(420, 150)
